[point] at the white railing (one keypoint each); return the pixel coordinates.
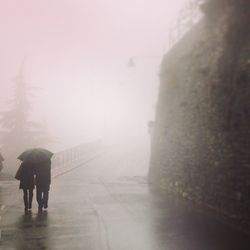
(71, 158)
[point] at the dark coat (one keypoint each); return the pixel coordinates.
(26, 176)
(1, 157)
(1, 161)
(43, 175)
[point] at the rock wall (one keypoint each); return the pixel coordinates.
(201, 143)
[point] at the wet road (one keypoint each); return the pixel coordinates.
(105, 206)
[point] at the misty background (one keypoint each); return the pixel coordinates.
(74, 55)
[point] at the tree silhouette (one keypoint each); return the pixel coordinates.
(18, 131)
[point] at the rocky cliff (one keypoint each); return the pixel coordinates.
(201, 144)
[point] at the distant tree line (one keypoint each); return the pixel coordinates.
(17, 131)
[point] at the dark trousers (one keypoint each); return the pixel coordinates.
(27, 197)
(42, 197)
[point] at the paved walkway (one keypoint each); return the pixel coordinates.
(98, 207)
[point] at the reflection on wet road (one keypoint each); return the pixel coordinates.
(100, 206)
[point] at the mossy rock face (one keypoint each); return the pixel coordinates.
(202, 137)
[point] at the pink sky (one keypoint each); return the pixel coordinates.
(74, 48)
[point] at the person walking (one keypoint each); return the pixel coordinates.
(43, 181)
(40, 159)
(1, 161)
(25, 174)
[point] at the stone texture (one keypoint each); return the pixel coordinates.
(200, 148)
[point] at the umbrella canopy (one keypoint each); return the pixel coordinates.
(35, 155)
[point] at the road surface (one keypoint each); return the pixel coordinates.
(106, 205)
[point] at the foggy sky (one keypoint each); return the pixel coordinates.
(77, 52)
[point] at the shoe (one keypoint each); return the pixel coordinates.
(30, 206)
(45, 206)
(40, 209)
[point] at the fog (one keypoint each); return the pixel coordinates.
(75, 54)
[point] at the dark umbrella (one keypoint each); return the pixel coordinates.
(35, 155)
